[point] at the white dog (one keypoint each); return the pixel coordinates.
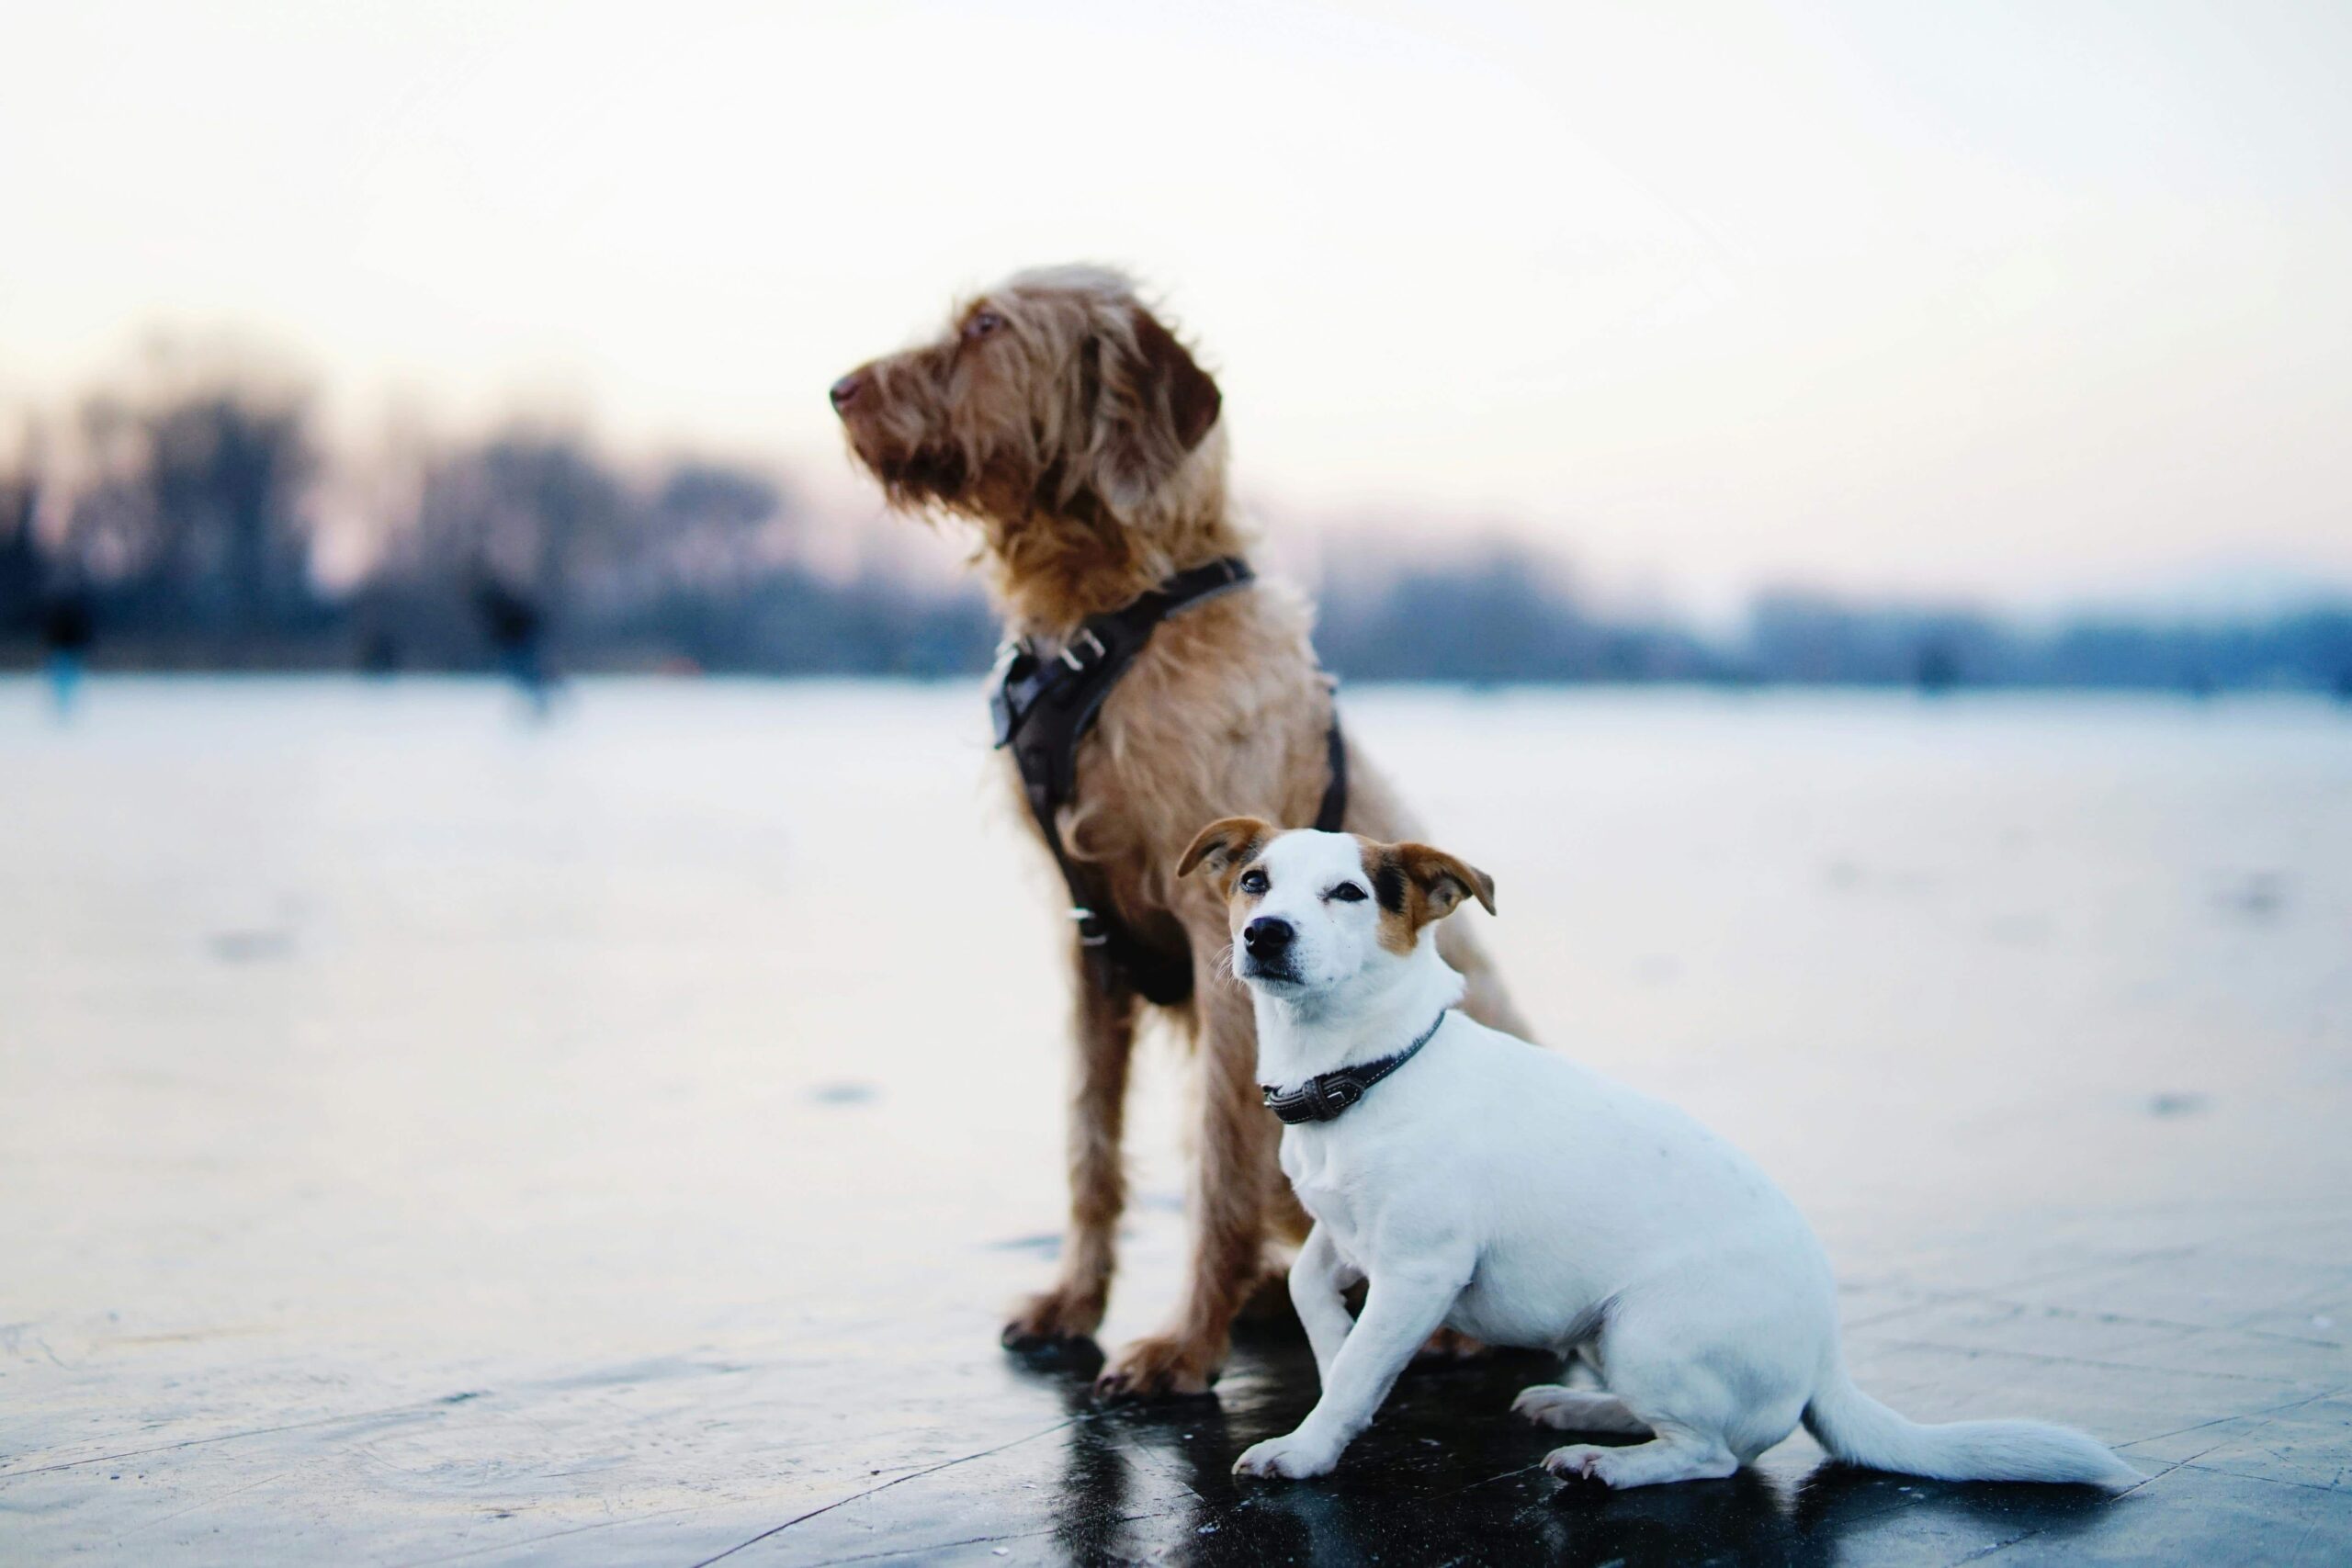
(1480, 1184)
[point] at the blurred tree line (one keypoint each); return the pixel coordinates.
(181, 523)
(185, 524)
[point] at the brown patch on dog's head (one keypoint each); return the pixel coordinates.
(1227, 847)
(1061, 416)
(1415, 884)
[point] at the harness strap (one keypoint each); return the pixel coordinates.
(1043, 706)
(1335, 792)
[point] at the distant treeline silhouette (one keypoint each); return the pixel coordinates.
(180, 530)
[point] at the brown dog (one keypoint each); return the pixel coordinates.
(1061, 418)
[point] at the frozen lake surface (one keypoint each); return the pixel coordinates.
(429, 1137)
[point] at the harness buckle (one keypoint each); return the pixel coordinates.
(1094, 645)
(1011, 685)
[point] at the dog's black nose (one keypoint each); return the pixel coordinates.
(1266, 934)
(845, 391)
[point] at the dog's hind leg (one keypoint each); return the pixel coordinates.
(1577, 1410)
(1104, 1030)
(1677, 1357)
(1670, 1456)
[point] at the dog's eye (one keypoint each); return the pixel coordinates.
(1253, 882)
(982, 323)
(1346, 893)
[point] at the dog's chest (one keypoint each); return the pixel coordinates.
(1330, 1187)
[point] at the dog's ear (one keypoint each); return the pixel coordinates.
(1152, 407)
(1225, 844)
(1418, 884)
(1193, 400)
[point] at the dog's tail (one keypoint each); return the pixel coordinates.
(1860, 1431)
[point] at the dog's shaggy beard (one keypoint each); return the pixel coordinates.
(908, 444)
(938, 457)
(926, 480)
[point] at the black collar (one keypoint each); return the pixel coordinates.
(1324, 1095)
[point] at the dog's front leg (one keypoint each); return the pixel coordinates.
(1317, 1283)
(1104, 1030)
(1234, 1173)
(1401, 1311)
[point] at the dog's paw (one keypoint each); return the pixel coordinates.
(1287, 1459)
(1538, 1402)
(1051, 1317)
(1451, 1345)
(1577, 1410)
(1159, 1366)
(1580, 1464)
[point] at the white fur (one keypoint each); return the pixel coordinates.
(1504, 1191)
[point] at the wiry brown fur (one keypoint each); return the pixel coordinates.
(1064, 421)
(1079, 437)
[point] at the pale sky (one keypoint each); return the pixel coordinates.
(2014, 299)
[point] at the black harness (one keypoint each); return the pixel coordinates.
(1324, 1095)
(1045, 704)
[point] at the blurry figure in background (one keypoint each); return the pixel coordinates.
(518, 631)
(67, 628)
(1938, 669)
(379, 653)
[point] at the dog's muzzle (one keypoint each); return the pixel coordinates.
(1266, 944)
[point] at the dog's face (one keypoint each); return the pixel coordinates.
(1055, 392)
(1312, 913)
